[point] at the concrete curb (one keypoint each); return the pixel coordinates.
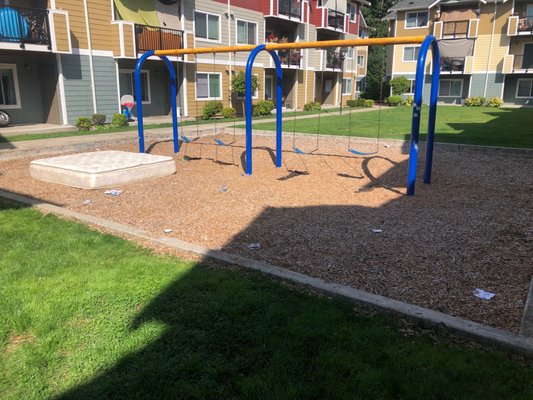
(526, 328)
(472, 330)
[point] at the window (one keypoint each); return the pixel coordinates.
(9, 87)
(268, 87)
(127, 84)
(410, 53)
(451, 88)
(524, 88)
(246, 32)
(360, 86)
(417, 19)
(208, 86)
(411, 87)
(352, 11)
(360, 60)
(206, 26)
(349, 53)
(346, 86)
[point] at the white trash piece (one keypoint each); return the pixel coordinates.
(113, 192)
(480, 293)
(254, 246)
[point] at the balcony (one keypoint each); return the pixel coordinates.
(523, 63)
(290, 58)
(452, 65)
(335, 20)
(290, 8)
(25, 26)
(157, 38)
(334, 59)
(525, 25)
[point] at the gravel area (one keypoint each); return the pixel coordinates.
(339, 217)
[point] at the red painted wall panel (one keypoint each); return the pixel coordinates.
(256, 5)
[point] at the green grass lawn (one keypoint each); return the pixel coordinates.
(468, 125)
(90, 316)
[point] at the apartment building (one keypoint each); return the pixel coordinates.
(62, 59)
(486, 47)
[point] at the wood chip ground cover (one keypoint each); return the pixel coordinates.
(321, 214)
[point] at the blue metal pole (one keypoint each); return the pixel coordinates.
(138, 98)
(432, 111)
(417, 110)
(173, 94)
(248, 107)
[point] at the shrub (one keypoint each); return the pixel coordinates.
(83, 124)
(495, 102)
(409, 101)
(98, 119)
(229, 112)
(368, 103)
(352, 103)
(212, 108)
(400, 85)
(119, 120)
(394, 101)
(475, 101)
(238, 83)
(263, 107)
(312, 106)
(104, 127)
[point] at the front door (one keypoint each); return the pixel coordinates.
(527, 63)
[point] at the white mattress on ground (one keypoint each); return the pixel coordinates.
(101, 169)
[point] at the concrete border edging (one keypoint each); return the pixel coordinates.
(469, 329)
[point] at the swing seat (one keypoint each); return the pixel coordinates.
(297, 150)
(185, 139)
(361, 153)
(220, 142)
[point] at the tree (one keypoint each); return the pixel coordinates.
(377, 55)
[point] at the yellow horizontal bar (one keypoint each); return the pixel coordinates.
(296, 45)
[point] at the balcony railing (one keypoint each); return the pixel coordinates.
(523, 63)
(452, 64)
(335, 19)
(291, 58)
(452, 29)
(24, 25)
(157, 38)
(290, 8)
(334, 59)
(525, 25)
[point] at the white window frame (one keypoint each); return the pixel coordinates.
(18, 104)
(207, 27)
(416, 12)
(451, 80)
(414, 54)
(256, 39)
(530, 90)
(360, 82)
(362, 63)
(342, 86)
(412, 84)
(350, 5)
(209, 98)
(148, 84)
(272, 90)
(255, 95)
(348, 53)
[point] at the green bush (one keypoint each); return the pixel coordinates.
(98, 119)
(368, 103)
(475, 101)
(312, 106)
(229, 112)
(263, 107)
(352, 103)
(119, 120)
(104, 127)
(238, 83)
(212, 108)
(394, 101)
(83, 123)
(409, 101)
(494, 102)
(400, 85)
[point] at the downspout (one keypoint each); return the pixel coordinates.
(306, 60)
(490, 48)
(230, 54)
(91, 65)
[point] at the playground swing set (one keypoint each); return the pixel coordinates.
(426, 42)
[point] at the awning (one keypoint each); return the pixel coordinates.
(138, 11)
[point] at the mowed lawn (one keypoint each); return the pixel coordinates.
(467, 125)
(90, 316)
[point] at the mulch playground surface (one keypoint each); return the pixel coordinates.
(339, 217)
